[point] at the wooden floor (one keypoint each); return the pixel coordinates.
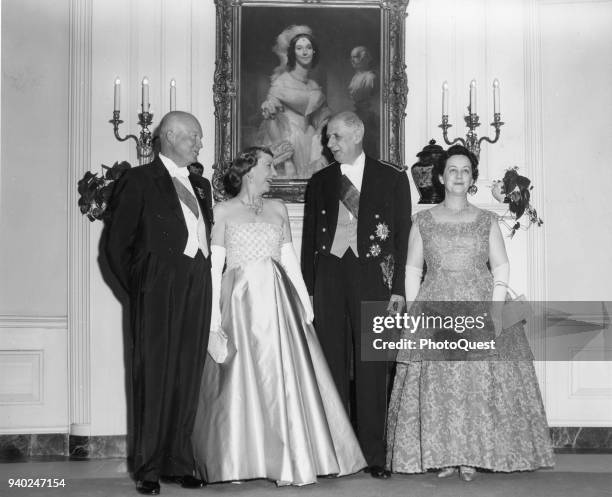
(575, 475)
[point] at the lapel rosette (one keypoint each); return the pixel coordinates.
(200, 192)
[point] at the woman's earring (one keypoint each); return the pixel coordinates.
(472, 190)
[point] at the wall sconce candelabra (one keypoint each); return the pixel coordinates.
(144, 141)
(471, 141)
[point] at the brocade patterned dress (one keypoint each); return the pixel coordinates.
(271, 410)
(485, 414)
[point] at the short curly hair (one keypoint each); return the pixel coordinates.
(291, 50)
(440, 166)
(241, 165)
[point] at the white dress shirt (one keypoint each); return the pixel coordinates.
(196, 228)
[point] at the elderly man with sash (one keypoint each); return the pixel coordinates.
(356, 225)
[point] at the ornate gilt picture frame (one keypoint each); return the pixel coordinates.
(357, 63)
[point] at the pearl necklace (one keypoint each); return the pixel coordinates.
(256, 207)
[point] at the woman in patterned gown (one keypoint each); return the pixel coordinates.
(295, 110)
(271, 409)
(446, 415)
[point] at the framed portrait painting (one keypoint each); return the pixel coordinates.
(284, 67)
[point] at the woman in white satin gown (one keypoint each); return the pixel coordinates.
(271, 409)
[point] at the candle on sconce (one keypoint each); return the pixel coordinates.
(145, 94)
(117, 100)
(473, 97)
(172, 95)
(472, 120)
(495, 96)
(445, 98)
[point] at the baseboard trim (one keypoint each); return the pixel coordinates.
(23, 447)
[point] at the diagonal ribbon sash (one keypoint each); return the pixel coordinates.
(186, 197)
(349, 195)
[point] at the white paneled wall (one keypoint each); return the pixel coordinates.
(33, 375)
(174, 40)
(554, 63)
(33, 217)
(456, 42)
(453, 41)
(575, 72)
(553, 60)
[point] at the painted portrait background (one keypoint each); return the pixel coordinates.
(336, 31)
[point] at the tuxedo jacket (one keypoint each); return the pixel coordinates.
(147, 219)
(383, 223)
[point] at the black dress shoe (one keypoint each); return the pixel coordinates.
(147, 487)
(185, 481)
(378, 472)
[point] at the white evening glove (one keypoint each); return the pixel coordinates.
(292, 267)
(217, 339)
(501, 276)
(217, 260)
(412, 283)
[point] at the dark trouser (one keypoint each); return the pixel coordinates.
(340, 287)
(170, 316)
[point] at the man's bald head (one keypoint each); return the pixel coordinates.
(175, 120)
(180, 136)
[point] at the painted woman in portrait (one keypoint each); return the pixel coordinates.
(295, 108)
